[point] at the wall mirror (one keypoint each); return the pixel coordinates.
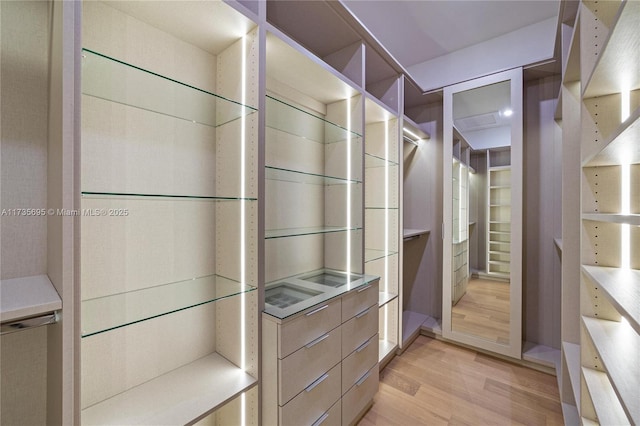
(482, 235)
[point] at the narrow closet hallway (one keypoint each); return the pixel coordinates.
(437, 383)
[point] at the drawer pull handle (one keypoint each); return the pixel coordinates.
(360, 290)
(317, 382)
(363, 378)
(321, 419)
(364, 345)
(363, 313)
(315, 311)
(315, 342)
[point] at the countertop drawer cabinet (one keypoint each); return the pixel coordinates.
(359, 329)
(359, 396)
(359, 362)
(359, 299)
(320, 366)
(308, 327)
(310, 404)
(304, 366)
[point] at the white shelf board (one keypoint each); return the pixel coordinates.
(603, 397)
(27, 297)
(622, 287)
(411, 323)
(410, 233)
(385, 348)
(620, 56)
(618, 346)
(541, 354)
(385, 298)
(177, 397)
(585, 422)
(558, 243)
(572, 358)
(622, 146)
(631, 219)
(499, 168)
(432, 325)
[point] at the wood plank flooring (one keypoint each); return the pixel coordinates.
(438, 383)
(483, 311)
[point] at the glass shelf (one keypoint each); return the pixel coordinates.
(124, 195)
(380, 208)
(290, 119)
(116, 81)
(372, 161)
(374, 254)
(295, 232)
(276, 173)
(110, 312)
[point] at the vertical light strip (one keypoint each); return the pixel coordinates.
(243, 277)
(625, 208)
(386, 222)
(625, 102)
(348, 271)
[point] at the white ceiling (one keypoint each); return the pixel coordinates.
(420, 35)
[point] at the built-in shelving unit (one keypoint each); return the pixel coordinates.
(381, 213)
(27, 297)
(498, 215)
(460, 216)
(168, 258)
(610, 276)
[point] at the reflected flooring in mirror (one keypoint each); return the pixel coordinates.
(438, 383)
(483, 311)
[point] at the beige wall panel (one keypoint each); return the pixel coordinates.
(335, 251)
(228, 250)
(601, 189)
(24, 71)
(335, 197)
(228, 330)
(336, 155)
(388, 283)
(115, 34)
(388, 322)
(292, 152)
(126, 150)
(375, 186)
(23, 378)
(290, 256)
(159, 242)
(634, 188)
(118, 360)
(374, 233)
(293, 205)
(229, 70)
(228, 158)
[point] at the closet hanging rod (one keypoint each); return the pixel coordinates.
(26, 323)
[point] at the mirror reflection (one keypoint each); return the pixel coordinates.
(481, 241)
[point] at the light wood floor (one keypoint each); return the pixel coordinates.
(483, 311)
(437, 383)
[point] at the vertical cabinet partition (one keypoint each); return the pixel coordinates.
(169, 199)
(381, 217)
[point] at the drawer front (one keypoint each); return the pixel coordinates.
(301, 368)
(359, 329)
(310, 404)
(316, 322)
(359, 362)
(359, 396)
(357, 300)
(333, 417)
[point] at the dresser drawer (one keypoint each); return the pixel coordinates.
(359, 396)
(301, 368)
(359, 362)
(309, 405)
(359, 329)
(304, 329)
(333, 417)
(357, 300)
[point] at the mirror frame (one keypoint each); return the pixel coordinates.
(514, 349)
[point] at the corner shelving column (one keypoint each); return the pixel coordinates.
(499, 215)
(169, 216)
(381, 205)
(610, 272)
